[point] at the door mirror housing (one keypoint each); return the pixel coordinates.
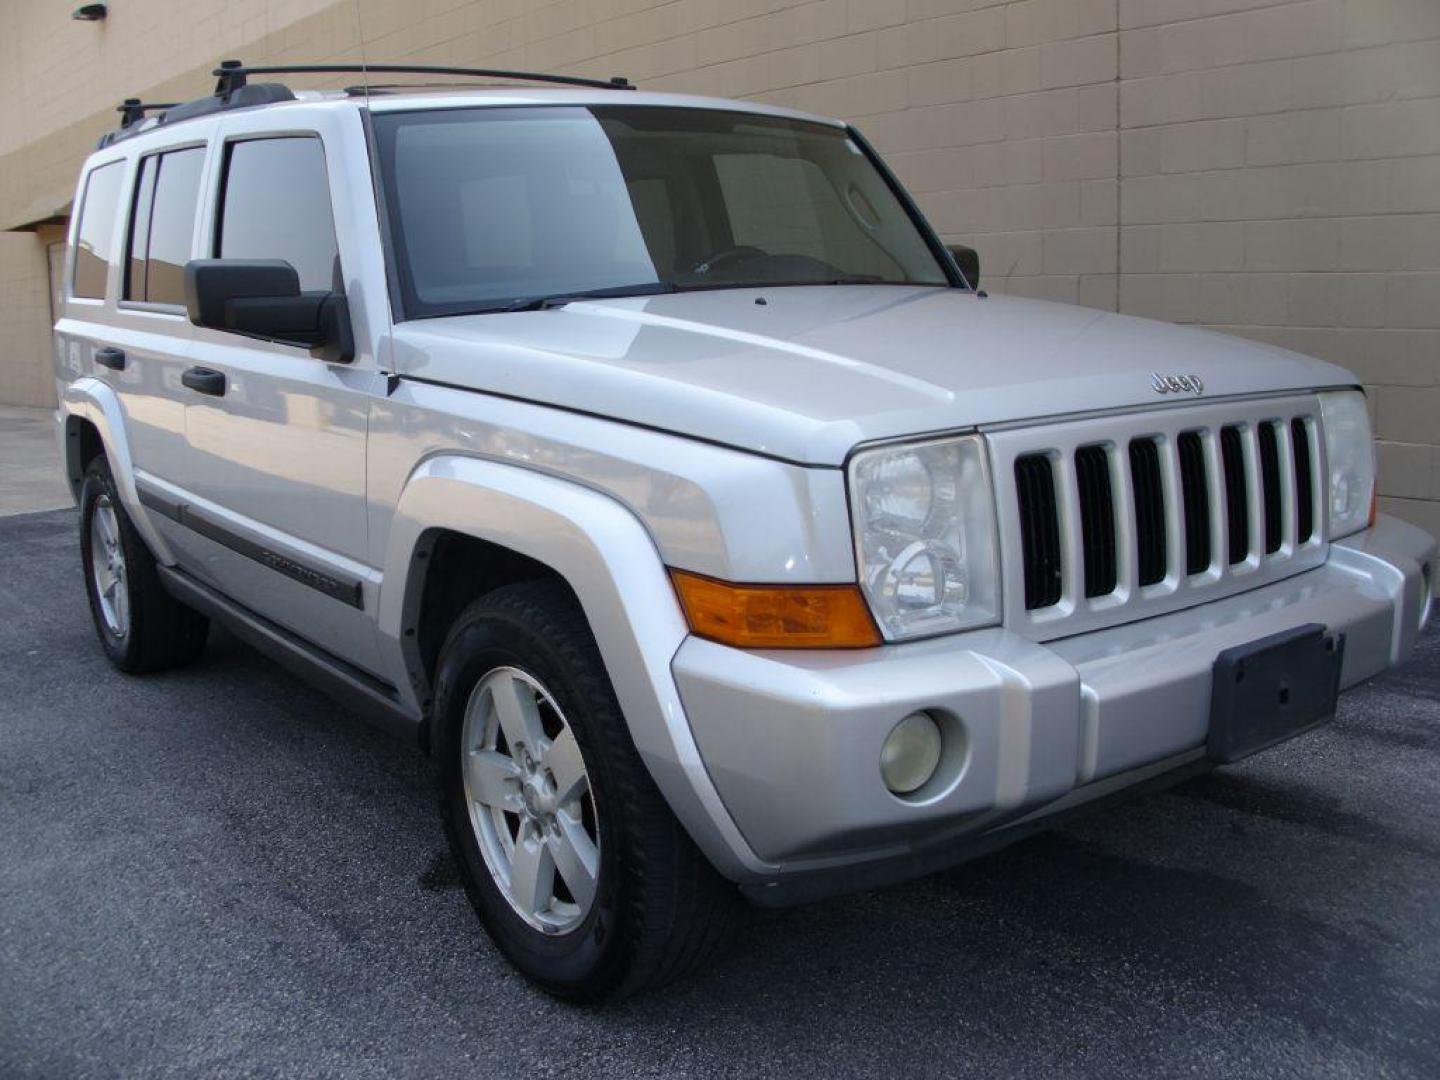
(968, 260)
(261, 298)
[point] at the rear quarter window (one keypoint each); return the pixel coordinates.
(162, 225)
(95, 234)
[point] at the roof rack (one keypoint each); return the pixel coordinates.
(232, 74)
(233, 90)
(132, 110)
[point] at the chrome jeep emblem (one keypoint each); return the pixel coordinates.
(1176, 384)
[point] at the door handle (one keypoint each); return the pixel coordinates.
(204, 380)
(114, 359)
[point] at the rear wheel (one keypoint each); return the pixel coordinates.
(141, 627)
(571, 858)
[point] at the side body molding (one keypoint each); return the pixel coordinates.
(93, 400)
(610, 561)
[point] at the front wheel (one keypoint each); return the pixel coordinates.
(570, 856)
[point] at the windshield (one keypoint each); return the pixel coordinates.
(500, 208)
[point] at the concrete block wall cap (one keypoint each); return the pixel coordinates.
(41, 211)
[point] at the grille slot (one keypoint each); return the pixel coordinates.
(1149, 509)
(1304, 480)
(1195, 490)
(1237, 503)
(1270, 485)
(1097, 519)
(1039, 530)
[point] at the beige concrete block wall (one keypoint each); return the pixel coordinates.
(1280, 179)
(25, 376)
(1269, 168)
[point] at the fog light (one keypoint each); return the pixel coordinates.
(911, 753)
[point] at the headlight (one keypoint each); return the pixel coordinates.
(925, 537)
(1351, 457)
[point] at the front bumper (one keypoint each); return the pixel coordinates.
(792, 740)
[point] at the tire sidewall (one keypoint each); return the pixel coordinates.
(569, 962)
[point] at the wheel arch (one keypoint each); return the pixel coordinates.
(95, 423)
(537, 524)
(83, 444)
(448, 569)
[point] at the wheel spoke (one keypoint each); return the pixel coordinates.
(532, 871)
(576, 857)
(121, 600)
(107, 526)
(492, 779)
(563, 760)
(519, 714)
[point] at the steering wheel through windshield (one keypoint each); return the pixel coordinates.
(724, 257)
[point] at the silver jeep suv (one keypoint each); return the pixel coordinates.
(650, 461)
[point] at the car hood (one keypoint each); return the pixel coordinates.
(806, 373)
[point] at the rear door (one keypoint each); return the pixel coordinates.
(111, 329)
(151, 326)
(276, 496)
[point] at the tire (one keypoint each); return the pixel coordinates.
(141, 627)
(658, 909)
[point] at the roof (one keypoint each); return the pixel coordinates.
(236, 92)
(405, 99)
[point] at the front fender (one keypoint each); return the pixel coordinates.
(611, 563)
(89, 399)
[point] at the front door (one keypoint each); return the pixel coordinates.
(275, 517)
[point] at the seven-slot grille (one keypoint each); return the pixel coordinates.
(1118, 519)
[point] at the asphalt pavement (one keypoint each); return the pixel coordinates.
(218, 872)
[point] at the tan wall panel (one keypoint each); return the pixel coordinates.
(1280, 180)
(1265, 167)
(25, 373)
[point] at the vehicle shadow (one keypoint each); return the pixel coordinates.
(1194, 917)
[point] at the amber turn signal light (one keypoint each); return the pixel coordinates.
(776, 616)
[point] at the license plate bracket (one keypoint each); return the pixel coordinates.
(1271, 689)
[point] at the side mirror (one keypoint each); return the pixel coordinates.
(968, 259)
(261, 298)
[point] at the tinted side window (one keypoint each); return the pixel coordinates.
(166, 200)
(276, 205)
(94, 239)
(134, 288)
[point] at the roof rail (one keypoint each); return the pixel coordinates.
(132, 111)
(233, 90)
(232, 74)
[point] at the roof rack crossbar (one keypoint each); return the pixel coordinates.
(232, 74)
(133, 110)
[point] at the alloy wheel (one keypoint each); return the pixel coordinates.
(530, 801)
(107, 567)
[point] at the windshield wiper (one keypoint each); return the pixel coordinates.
(716, 286)
(544, 303)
